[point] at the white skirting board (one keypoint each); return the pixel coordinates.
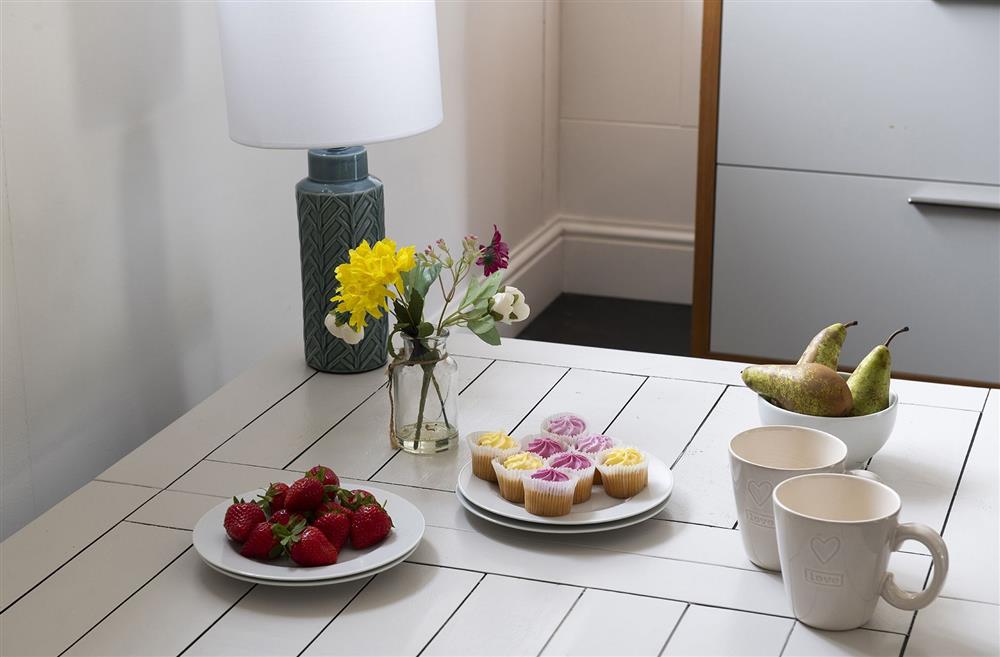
(602, 257)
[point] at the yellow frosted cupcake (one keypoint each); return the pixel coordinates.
(624, 471)
(510, 473)
(486, 446)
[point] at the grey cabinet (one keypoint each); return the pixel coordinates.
(832, 116)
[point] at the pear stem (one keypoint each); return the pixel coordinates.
(889, 339)
(854, 323)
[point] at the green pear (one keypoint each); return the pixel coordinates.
(824, 348)
(869, 383)
(808, 388)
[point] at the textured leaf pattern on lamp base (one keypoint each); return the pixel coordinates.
(332, 220)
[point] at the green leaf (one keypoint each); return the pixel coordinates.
(482, 289)
(416, 308)
(403, 320)
(424, 330)
(482, 325)
(490, 337)
(420, 278)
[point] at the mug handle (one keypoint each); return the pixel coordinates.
(865, 474)
(910, 600)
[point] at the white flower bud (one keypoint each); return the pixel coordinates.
(509, 306)
(343, 331)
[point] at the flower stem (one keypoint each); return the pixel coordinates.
(424, 385)
(444, 411)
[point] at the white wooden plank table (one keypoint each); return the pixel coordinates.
(111, 571)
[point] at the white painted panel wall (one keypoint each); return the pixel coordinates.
(628, 142)
(908, 89)
(147, 259)
(795, 251)
(830, 117)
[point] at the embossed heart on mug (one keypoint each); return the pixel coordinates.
(760, 491)
(824, 548)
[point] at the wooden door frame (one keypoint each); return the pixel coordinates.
(704, 235)
(704, 222)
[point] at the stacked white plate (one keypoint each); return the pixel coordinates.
(222, 554)
(601, 513)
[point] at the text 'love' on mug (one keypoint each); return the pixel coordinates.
(762, 458)
(835, 534)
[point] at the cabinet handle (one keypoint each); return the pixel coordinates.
(955, 201)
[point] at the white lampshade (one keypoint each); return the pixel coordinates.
(327, 74)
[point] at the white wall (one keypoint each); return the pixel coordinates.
(628, 146)
(147, 259)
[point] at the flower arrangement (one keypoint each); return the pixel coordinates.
(381, 279)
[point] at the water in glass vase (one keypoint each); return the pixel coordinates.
(424, 396)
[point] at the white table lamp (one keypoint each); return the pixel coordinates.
(329, 77)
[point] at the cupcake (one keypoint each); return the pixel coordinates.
(567, 425)
(549, 492)
(579, 465)
(593, 446)
(486, 446)
(624, 471)
(510, 472)
(545, 445)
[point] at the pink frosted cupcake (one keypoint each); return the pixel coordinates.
(549, 492)
(545, 445)
(595, 447)
(580, 465)
(566, 425)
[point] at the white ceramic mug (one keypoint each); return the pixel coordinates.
(759, 460)
(835, 534)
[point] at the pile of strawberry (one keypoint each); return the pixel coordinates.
(310, 521)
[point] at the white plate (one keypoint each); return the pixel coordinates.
(599, 508)
(558, 529)
(318, 582)
(221, 553)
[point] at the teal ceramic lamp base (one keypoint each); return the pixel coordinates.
(339, 205)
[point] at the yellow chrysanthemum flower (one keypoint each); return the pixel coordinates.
(370, 279)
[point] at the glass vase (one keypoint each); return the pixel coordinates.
(423, 396)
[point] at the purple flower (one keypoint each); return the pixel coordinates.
(494, 256)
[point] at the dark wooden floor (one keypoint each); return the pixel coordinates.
(663, 328)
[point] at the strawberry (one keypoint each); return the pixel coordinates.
(304, 494)
(355, 499)
(273, 498)
(311, 548)
(370, 524)
(283, 517)
(335, 525)
(331, 507)
(324, 474)
(262, 543)
(241, 518)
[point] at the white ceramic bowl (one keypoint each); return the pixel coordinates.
(863, 435)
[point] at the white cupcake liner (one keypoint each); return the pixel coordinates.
(566, 443)
(483, 455)
(585, 431)
(623, 481)
(510, 482)
(585, 478)
(549, 498)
